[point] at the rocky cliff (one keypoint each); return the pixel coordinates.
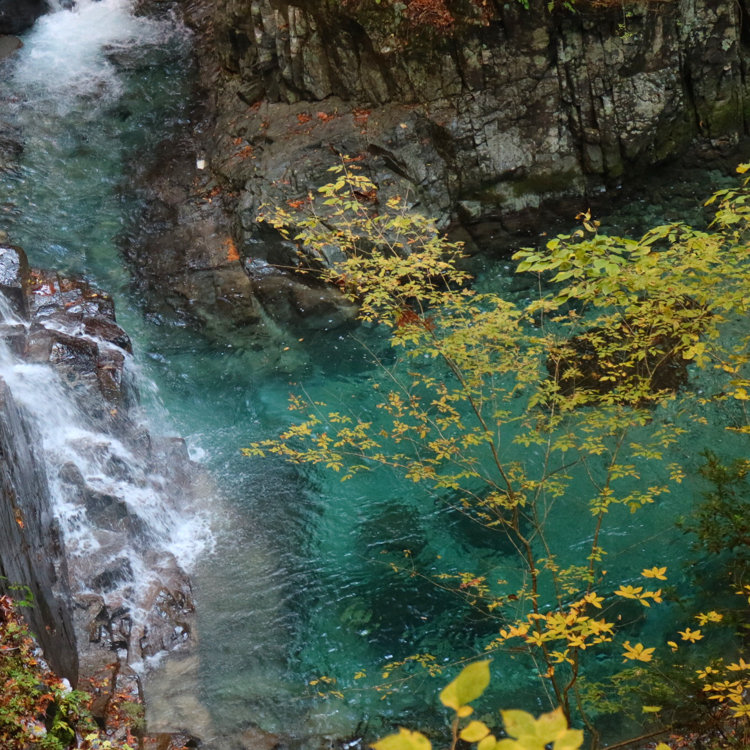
(86, 491)
(483, 119)
(32, 549)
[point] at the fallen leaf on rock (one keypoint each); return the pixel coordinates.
(232, 253)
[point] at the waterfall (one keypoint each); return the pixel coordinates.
(68, 54)
(126, 498)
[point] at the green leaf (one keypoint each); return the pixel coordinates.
(468, 686)
(404, 740)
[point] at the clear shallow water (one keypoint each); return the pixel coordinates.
(299, 584)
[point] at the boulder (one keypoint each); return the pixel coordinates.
(19, 15)
(14, 277)
(182, 250)
(8, 45)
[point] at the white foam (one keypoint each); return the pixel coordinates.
(67, 439)
(65, 55)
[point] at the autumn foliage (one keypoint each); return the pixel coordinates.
(38, 709)
(512, 410)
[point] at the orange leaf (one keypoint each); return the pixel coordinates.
(232, 253)
(361, 115)
(245, 152)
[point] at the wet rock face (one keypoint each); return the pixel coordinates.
(183, 248)
(18, 15)
(31, 548)
(491, 121)
(92, 584)
(73, 329)
(491, 129)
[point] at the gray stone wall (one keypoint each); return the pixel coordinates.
(31, 550)
(481, 127)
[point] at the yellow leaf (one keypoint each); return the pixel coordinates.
(519, 724)
(535, 734)
(474, 731)
(690, 635)
(593, 599)
(629, 592)
(655, 573)
(468, 686)
(404, 740)
(552, 725)
(706, 617)
(638, 652)
(572, 739)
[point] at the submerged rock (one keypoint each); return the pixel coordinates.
(8, 45)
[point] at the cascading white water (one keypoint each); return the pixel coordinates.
(67, 53)
(104, 465)
(60, 86)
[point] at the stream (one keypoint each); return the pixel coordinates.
(294, 583)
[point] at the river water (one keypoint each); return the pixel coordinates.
(298, 585)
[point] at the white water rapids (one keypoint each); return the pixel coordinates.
(71, 62)
(66, 55)
(153, 521)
